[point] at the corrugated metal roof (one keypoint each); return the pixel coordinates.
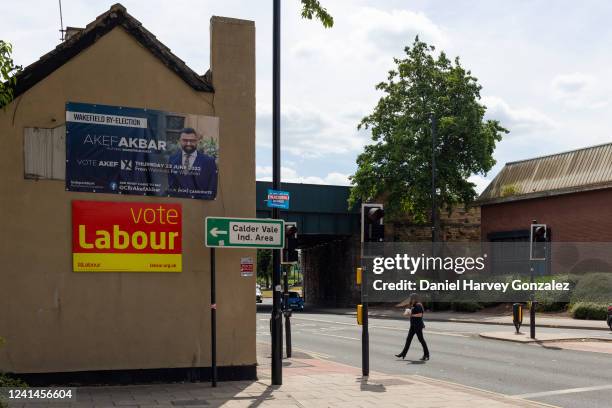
(577, 170)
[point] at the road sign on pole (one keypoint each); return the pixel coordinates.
(278, 199)
(222, 232)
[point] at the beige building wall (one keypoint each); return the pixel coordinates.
(55, 320)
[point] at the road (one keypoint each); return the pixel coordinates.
(565, 378)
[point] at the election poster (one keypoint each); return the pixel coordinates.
(120, 150)
(126, 237)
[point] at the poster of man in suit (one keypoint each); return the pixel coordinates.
(193, 172)
(140, 151)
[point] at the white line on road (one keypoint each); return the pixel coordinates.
(340, 337)
(426, 331)
(313, 353)
(383, 327)
(565, 391)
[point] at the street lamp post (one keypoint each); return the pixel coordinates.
(277, 323)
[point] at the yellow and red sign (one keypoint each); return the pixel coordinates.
(126, 237)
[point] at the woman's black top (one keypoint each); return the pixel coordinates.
(417, 322)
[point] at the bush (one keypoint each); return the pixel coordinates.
(593, 288)
(589, 311)
(466, 306)
(549, 301)
(544, 305)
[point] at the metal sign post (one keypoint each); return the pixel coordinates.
(224, 232)
(213, 318)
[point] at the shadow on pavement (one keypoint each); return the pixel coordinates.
(364, 385)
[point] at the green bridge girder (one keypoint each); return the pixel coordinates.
(317, 209)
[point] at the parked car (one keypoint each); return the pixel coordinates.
(295, 301)
(610, 316)
(258, 298)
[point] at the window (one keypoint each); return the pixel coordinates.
(174, 125)
(44, 153)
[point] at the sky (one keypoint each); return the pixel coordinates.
(543, 65)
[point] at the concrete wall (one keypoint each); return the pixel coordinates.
(55, 320)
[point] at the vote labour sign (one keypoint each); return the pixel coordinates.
(126, 237)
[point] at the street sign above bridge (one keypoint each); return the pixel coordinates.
(224, 232)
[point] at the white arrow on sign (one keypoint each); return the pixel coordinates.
(215, 232)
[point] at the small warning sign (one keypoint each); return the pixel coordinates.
(246, 266)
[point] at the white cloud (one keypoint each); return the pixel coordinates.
(290, 175)
(368, 38)
(572, 84)
(517, 120)
(579, 90)
(480, 181)
(395, 27)
(311, 132)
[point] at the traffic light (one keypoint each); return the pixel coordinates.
(538, 237)
(372, 226)
(289, 253)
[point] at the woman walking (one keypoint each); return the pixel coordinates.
(415, 311)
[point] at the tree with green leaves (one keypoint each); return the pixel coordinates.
(312, 8)
(264, 265)
(396, 167)
(8, 70)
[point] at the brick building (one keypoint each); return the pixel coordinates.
(571, 192)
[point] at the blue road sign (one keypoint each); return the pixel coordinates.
(278, 199)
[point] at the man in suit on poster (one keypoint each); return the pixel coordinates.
(193, 173)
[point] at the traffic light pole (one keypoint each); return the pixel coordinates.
(277, 322)
(532, 314)
(287, 314)
(365, 335)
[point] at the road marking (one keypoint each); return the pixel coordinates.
(426, 331)
(565, 391)
(384, 327)
(313, 353)
(340, 337)
(468, 387)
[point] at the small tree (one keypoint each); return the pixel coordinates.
(264, 265)
(8, 70)
(397, 166)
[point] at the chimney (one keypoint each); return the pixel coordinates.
(71, 32)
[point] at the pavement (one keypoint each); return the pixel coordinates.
(543, 337)
(308, 381)
(572, 374)
(505, 319)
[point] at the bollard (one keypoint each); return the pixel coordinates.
(532, 319)
(517, 316)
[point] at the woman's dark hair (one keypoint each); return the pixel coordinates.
(413, 299)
